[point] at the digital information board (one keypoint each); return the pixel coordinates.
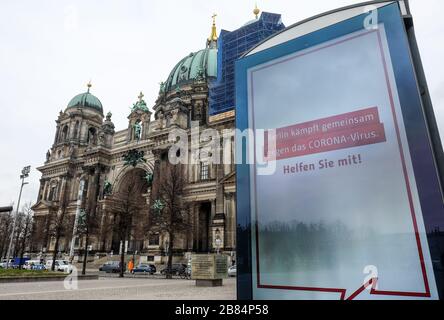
(342, 214)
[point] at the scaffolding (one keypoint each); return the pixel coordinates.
(231, 46)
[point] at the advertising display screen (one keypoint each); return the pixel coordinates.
(342, 212)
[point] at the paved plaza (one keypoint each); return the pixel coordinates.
(119, 289)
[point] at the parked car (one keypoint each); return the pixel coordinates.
(232, 271)
(145, 268)
(34, 265)
(13, 263)
(111, 267)
(60, 265)
(176, 269)
(4, 263)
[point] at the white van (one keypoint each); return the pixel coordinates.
(60, 265)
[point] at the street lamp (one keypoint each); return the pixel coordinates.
(25, 174)
(42, 257)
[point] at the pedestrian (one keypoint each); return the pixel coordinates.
(131, 266)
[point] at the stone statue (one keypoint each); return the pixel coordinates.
(48, 155)
(101, 138)
(198, 113)
(134, 157)
(107, 188)
(108, 116)
(174, 115)
(162, 87)
(137, 131)
(149, 179)
(200, 74)
(71, 150)
(161, 120)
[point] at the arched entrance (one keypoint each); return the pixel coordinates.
(129, 211)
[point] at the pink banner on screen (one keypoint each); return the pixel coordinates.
(343, 131)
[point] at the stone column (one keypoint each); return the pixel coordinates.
(219, 189)
(189, 235)
(213, 209)
(83, 131)
(146, 127)
(56, 138)
(61, 194)
(129, 136)
(101, 183)
(230, 221)
(45, 188)
(156, 176)
(71, 131)
(93, 189)
(233, 221)
(195, 211)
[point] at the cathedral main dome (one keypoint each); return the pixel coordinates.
(86, 100)
(200, 65)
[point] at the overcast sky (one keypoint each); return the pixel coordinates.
(50, 49)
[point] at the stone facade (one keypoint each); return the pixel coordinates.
(88, 154)
(85, 167)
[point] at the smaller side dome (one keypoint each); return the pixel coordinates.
(86, 100)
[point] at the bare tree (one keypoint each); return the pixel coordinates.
(59, 224)
(106, 229)
(127, 208)
(5, 232)
(87, 225)
(25, 230)
(170, 214)
(16, 234)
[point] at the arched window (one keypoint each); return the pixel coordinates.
(52, 196)
(92, 136)
(57, 135)
(65, 133)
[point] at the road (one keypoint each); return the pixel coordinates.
(118, 289)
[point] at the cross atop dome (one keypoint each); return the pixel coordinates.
(212, 40)
(89, 85)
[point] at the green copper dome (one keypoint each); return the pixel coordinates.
(196, 66)
(86, 100)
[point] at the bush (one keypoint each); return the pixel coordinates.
(14, 273)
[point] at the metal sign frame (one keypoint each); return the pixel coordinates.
(421, 128)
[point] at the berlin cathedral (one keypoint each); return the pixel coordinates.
(85, 167)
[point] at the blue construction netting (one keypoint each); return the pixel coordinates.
(231, 46)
